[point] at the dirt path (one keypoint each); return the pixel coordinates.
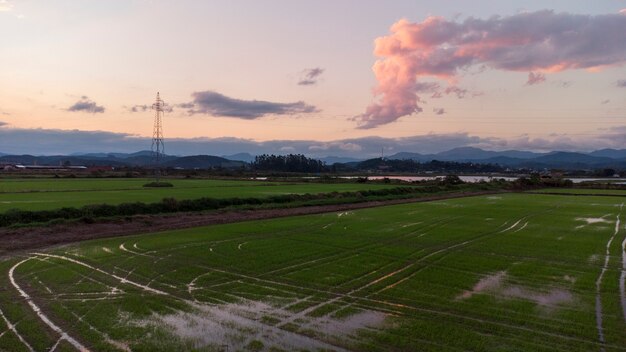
(40, 237)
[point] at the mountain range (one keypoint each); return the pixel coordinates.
(604, 158)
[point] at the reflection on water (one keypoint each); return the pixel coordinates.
(478, 178)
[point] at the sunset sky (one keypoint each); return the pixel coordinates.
(318, 77)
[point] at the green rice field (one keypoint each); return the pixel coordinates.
(46, 194)
(507, 272)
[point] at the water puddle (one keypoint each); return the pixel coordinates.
(495, 285)
(592, 221)
(238, 324)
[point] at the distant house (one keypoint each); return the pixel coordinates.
(95, 168)
(20, 167)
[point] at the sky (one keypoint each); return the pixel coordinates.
(316, 77)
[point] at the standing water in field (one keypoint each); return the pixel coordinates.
(599, 282)
(494, 284)
(239, 324)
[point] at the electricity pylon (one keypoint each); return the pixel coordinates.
(158, 148)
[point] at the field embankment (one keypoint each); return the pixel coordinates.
(24, 238)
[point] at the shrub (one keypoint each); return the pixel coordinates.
(158, 184)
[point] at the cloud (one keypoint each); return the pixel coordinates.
(53, 141)
(185, 105)
(427, 87)
(287, 149)
(614, 137)
(145, 108)
(535, 78)
(86, 105)
(563, 84)
(539, 42)
(337, 146)
(621, 83)
(216, 104)
(439, 111)
(2, 123)
(138, 108)
(459, 92)
(310, 76)
(5, 6)
(606, 101)
(435, 91)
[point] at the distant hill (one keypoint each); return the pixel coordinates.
(142, 153)
(610, 153)
(202, 162)
(574, 160)
(606, 158)
(134, 159)
(466, 154)
(329, 160)
(246, 157)
(412, 156)
(55, 160)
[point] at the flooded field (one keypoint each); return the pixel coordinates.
(524, 272)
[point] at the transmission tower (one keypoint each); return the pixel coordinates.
(158, 148)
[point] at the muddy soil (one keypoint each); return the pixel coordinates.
(20, 239)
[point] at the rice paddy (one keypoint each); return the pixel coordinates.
(47, 194)
(512, 272)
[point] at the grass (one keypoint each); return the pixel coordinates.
(405, 277)
(47, 194)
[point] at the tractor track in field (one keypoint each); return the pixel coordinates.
(27, 238)
(605, 267)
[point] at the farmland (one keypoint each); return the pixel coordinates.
(521, 272)
(46, 194)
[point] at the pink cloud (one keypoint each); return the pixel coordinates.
(539, 42)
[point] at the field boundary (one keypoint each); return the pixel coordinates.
(578, 194)
(20, 239)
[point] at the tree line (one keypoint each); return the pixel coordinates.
(288, 163)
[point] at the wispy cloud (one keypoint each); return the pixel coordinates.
(535, 78)
(138, 108)
(6, 6)
(439, 111)
(216, 104)
(336, 146)
(562, 83)
(145, 108)
(540, 42)
(621, 83)
(86, 105)
(310, 76)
